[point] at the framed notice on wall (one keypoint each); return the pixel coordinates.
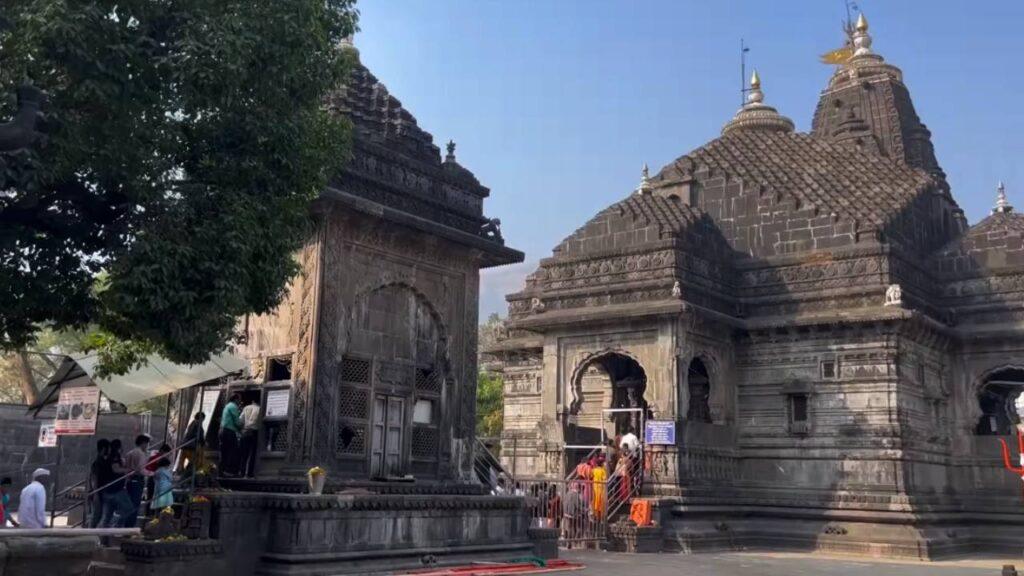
(77, 409)
(47, 435)
(660, 433)
(277, 401)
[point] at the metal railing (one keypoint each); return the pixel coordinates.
(581, 508)
(89, 495)
(488, 468)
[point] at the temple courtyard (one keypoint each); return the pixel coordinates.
(774, 564)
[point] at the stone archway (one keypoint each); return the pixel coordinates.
(698, 381)
(610, 379)
(998, 405)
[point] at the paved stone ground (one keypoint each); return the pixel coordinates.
(772, 564)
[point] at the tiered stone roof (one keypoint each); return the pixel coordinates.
(396, 172)
(833, 178)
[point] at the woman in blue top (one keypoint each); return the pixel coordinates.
(163, 485)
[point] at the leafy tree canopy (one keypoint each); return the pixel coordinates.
(489, 402)
(184, 142)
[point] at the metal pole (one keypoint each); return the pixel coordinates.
(515, 453)
(56, 481)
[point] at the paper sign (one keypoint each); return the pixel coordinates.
(47, 436)
(77, 409)
(660, 433)
(277, 404)
(209, 404)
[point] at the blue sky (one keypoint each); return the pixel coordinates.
(556, 104)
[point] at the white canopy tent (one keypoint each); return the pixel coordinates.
(157, 377)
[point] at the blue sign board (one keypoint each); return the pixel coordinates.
(660, 432)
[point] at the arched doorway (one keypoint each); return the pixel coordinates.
(392, 384)
(611, 380)
(1001, 402)
(699, 388)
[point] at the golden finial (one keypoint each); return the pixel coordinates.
(862, 23)
(755, 80)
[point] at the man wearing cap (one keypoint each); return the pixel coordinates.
(32, 508)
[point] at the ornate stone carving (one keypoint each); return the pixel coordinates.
(893, 295)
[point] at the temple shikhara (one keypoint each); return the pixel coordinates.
(835, 346)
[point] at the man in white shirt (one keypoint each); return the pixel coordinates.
(32, 508)
(630, 444)
(250, 437)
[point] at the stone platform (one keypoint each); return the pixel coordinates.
(286, 534)
(875, 533)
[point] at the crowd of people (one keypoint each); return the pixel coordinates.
(582, 504)
(120, 482)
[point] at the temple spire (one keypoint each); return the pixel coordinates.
(861, 38)
(645, 181)
(1002, 204)
(756, 115)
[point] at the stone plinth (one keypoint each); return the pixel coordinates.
(545, 542)
(366, 533)
(628, 537)
(36, 552)
(184, 558)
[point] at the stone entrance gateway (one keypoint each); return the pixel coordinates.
(838, 349)
(611, 380)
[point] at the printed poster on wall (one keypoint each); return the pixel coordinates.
(77, 409)
(47, 435)
(209, 397)
(277, 404)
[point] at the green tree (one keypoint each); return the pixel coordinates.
(489, 404)
(184, 141)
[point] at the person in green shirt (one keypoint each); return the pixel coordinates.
(230, 432)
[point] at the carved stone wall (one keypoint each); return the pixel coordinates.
(403, 302)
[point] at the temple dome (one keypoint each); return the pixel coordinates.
(756, 115)
(997, 241)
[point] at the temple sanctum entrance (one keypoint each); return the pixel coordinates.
(610, 381)
(1001, 403)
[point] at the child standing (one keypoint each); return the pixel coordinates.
(163, 483)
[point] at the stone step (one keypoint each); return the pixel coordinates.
(109, 554)
(105, 569)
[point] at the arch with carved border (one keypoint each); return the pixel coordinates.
(576, 380)
(420, 297)
(717, 394)
(972, 402)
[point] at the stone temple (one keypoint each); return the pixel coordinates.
(368, 369)
(839, 350)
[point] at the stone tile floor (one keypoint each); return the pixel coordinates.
(774, 564)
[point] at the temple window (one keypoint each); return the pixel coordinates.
(798, 406)
(829, 369)
(279, 369)
(699, 387)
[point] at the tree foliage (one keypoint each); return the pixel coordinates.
(184, 140)
(489, 404)
(490, 388)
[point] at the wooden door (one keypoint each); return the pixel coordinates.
(393, 445)
(387, 436)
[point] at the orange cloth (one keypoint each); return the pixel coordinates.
(640, 512)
